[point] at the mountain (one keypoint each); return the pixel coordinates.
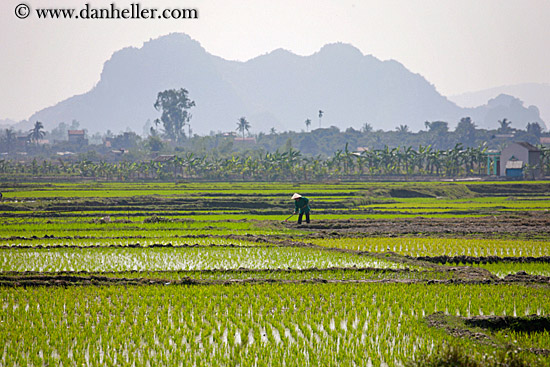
(278, 89)
(11, 124)
(537, 94)
(505, 106)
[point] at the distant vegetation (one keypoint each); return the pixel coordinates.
(167, 152)
(256, 165)
(172, 133)
(319, 154)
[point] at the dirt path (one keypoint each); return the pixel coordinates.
(526, 225)
(459, 276)
(482, 259)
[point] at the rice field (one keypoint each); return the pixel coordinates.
(293, 325)
(441, 246)
(200, 274)
(107, 259)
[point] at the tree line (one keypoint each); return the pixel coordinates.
(290, 165)
(172, 133)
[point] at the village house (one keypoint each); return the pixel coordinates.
(78, 137)
(517, 157)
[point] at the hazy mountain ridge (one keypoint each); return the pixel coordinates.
(537, 94)
(6, 123)
(278, 89)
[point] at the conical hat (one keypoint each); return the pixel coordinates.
(296, 196)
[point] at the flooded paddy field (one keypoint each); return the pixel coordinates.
(211, 273)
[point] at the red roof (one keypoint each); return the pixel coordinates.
(76, 132)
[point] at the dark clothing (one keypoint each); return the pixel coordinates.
(300, 218)
(301, 205)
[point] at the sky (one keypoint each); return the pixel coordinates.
(457, 45)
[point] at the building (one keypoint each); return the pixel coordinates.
(119, 152)
(77, 137)
(493, 162)
(514, 169)
(21, 141)
(517, 157)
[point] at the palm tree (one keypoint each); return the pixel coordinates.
(367, 128)
(243, 125)
(320, 117)
(434, 161)
(178, 166)
(504, 125)
(308, 123)
(36, 133)
(371, 159)
(388, 158)
(452, 160)
(427, 125)
(534, 129)
(402, 129)
(544, 159)
(347, 160)
(407, 157)
(421, 157)
(361, 161)
(189, 161)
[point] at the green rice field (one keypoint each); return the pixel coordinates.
(202, 274)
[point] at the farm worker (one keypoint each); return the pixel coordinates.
(301, 205)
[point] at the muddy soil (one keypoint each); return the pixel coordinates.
(459, 276)
(41, 280)
(505, 189)
(53, 207)
(526, 225)
(523, 277)
(138, 245)
(454, 326)
(94, 280)
(250, 238)
(206, 271)
(530, 324)
(479, 328)
(482, 259)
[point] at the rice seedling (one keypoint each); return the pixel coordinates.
(173, 259)
(441, 246)
(271, 325)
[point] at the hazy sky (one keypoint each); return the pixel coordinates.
(457, 45)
